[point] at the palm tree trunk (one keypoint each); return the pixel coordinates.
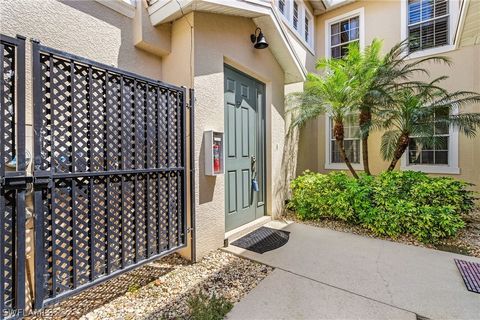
(338, 131)
(366, 167)
(402, 145)
(365, 118)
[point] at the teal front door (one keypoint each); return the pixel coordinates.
(244, 148)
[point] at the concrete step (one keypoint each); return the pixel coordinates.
(239, 232)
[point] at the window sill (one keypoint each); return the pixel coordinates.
(121, 6)
(432, 169)
(431, 52)
(343, 166)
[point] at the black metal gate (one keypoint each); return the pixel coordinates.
(109, 172)
(12, 177)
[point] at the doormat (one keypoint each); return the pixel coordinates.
(262, 240)
(470, 272)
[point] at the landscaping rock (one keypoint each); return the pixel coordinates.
(166, 295)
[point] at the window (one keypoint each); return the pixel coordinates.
(298, 18)
(437, 156)
(352, 141)
(343, 33)
(295, 15)
(435, 152)
(428, 24)
(307, 27)
(281, 6)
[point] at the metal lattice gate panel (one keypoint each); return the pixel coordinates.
(109, 172)
(12, 177)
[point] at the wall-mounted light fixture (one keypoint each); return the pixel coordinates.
(259, 40)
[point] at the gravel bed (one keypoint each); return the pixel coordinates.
(161, 289)
(466, 242)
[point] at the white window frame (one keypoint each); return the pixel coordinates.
(299, 15)
(311, 27)
(328, 159)
(453, 10)
(451, 168)
(287, 9)
(360, 12)
(302, 12)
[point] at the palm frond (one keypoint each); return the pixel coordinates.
(389, 143)
(304, 106)
(468, 123)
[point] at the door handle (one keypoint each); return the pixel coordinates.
(253, 165)
(253, 160)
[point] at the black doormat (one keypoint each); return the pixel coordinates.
(470, 272)
(262, 240)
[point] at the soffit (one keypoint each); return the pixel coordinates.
(260, 11)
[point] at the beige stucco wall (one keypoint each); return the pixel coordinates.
(177, 68)
(223, 39)
(382, 20)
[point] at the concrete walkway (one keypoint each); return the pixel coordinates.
(324, 274)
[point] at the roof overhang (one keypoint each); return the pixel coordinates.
(321, 6)
(263, 14)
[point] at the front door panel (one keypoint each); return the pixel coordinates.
(243, 126)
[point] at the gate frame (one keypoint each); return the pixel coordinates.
(18, 179)
(42, 178)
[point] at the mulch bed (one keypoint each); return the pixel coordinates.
(466, 242)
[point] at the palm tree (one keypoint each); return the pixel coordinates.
(415, 113)
(391, 73)
(337, 92)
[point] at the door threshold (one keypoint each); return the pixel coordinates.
(246, 228)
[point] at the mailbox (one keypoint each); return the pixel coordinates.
(214, 153)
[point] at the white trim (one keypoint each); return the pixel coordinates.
(311, 28)
(360, 12)
(125, 7)
(288, 21)
(265, 15)
(328, 163)
(461, 22)
(453, 11)
(451, 168)
(431, 51)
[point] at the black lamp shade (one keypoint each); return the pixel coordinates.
(259, 41)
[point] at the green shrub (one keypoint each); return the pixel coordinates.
(203, 307)
(392, 203)
(318, 195)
